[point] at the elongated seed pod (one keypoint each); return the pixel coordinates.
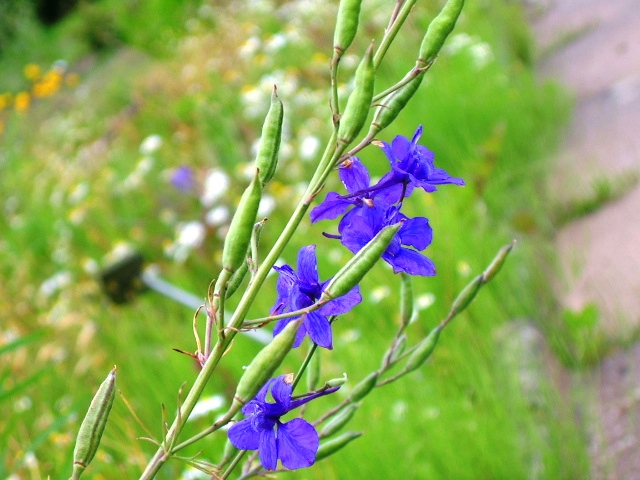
(267, 157)
(313, 373)
(423, 351)
(394, 103)
(339, 420)
(332, 446)
(438, 31)
(465, 297)
(346, 25)
(363, 388)
(264, 364)
(92, 426)
(237, 241)
(351, 274)
(497, 262)
(407, 305)
(359, 103)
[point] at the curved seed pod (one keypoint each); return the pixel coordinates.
(438, 31)
(393, 104)
(92, 426)
(357, 109)
(465, 297)
(236, 278)
(339, 420)
(237, 241)
(351, 274)
(423, 351)
(267, 157)
(346, 25)
(332, 446)
(407, 306)
(497, 262)
(363, 388)
(264, 364)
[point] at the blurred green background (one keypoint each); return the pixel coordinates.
(102, 101)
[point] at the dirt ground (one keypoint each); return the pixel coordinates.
(593, 47)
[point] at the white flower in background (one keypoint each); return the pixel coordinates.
(275, 43)
(425, 300)
(249, 48)
(189, 235)
(380, 293)
(150, 145)
(216, 185)
(79, 193)
(217, 216)
(457, 43)
(481, 55)
(55, 283)
(207, 405)
(309, 147)
(267, 205)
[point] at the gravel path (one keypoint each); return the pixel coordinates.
(594, 49)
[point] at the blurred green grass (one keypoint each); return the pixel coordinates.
(76, 184)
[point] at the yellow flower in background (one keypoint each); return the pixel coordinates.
(49, 85)
(22, 102)
(32, 71)
(1, 127)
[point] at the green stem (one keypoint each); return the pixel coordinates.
(391, 31)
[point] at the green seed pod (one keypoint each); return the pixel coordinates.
(357, 109)
(351, 274)
(237, 241)
(423, 351)
(465, 297)
(339, 420)
(229, 452)
(438, 31)
(363, 388)
(346, 25)
(395, 351)
(267, 157)
(332, 446)
(407, 306)
(264, 364)
(497, 262)
(92, 426)
(394, 103)
(313, 373)
(336, 382)
(236, 278)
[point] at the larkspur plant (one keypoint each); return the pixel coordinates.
(372, 226)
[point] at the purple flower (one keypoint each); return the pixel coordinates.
(302, 289)
(415, 232)
(412, 166)
(182, 178)
(295, 442)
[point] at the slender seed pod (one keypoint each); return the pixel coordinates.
(332, 446)
(339, 420)
(395, 351)
(394, 103)
(363, 388)
(229, 452)
(465, 297)
(497, 262)
(264, 364)
(346, 25)
(236, 278)
(92, 426)
(313, 373)
(357, 109)
(423, 351)
(407, 305)
(351, 274)
(267, 157)
(237, 241)
(438, 31)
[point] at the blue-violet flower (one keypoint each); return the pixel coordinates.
(303, 289)
(294, 443)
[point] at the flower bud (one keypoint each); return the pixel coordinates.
(359, 103)
(346, 25)
(264, 364)
(423, 351)
(393, 104)
(339, 420)
(336, 382)
(237, 241)
(267, 157)
(92, 426)
(363, 388)
(332, 446)
(351, 274)
(438, 31)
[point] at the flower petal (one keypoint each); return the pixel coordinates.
(342, 304)
(354, 175)
(268, 449)
(297, 444)
(281, 391)
(319, 329)
(411, 262)
(243, 436)
(332, 206)
(308, 265)
(416, 232)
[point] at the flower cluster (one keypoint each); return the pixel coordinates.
(295, 443)
(370, 208)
